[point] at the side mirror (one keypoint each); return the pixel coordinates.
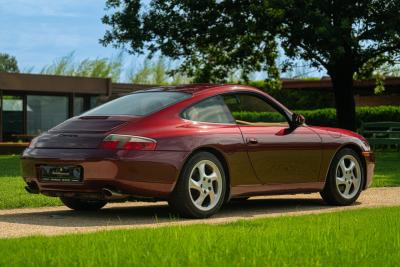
(297, 120)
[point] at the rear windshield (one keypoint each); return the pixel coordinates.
(138, 104)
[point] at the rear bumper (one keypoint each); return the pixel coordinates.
(369, 158)
(139, 173)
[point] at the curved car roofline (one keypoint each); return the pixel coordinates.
(196, 89)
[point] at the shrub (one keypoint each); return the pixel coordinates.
(327, 116)
(299, 99)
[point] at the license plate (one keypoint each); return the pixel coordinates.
(61, 173)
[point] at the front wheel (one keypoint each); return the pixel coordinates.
(345, 179)
(83, 204)
(200, 190)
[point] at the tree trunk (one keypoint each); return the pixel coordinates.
(342, 82)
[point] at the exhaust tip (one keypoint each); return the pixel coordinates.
(108, 192)
(113, 194)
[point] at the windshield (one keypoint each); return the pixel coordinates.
(138, 104)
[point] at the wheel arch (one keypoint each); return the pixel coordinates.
(220, 156)
(355, 147)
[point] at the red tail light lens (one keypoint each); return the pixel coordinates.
(33, 142)
(128, 142)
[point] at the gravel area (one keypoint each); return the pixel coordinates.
(60, 220)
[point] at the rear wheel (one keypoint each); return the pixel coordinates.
(345, 178)
(200, 190)
(83, 204)
(239, 199)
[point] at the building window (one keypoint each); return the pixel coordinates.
(13, 118)
(79, 105)
(94, 101)
(45, 112)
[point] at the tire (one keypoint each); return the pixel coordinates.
(201, 188)
(345, 179)
(239, 199)
(83, 204)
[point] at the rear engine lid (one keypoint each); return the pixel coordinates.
(81, 132)
(91, 124)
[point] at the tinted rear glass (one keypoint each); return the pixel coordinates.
(138, 104)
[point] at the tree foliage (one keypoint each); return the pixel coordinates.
(216, 37)
(210, 44)
(8, 63)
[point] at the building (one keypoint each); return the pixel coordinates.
(32, 103)
(363, 90)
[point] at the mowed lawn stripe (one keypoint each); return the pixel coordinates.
(365, 237)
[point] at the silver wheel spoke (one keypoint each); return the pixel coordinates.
(212, 196)
(202, 170)
(213, 176)
(347, 189)
(343, 166)
(351, 167)
(356, 182)
(195, 185)
(200, 199)
(340, 180)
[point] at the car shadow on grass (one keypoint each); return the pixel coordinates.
(152, 214)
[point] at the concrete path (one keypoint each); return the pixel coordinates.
(60, 220)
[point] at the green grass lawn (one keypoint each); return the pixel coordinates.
(13, 194)
(387, 169)
(365, 237)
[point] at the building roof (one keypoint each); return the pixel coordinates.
(325, 83)
(38, 83)
(54, 84)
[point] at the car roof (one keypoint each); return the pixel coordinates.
(196, 89)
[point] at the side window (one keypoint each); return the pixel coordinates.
(211, 110)
(252, 110)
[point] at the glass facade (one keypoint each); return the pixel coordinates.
(94, 101)
(12, 117)
(44, 112)
(79, 105)
(25, 116)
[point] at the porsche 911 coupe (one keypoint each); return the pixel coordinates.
(197, 147)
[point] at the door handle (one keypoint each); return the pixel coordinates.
(252, 141)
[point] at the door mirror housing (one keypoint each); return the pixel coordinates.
(297, 120)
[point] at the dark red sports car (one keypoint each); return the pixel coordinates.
(196, 146)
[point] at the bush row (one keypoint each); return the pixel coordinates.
(327, 116)
(299, 99)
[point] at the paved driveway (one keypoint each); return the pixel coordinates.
(60, 220)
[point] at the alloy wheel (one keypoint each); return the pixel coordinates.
(348, 176)
(205, 185)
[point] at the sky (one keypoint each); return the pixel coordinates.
(37, 32)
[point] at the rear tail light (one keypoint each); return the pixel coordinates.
(33, 142)
(128, 142)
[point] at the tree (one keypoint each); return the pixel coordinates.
(8, 63)
(214, 37)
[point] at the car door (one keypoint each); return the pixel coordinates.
(279, 154)
(217, 128)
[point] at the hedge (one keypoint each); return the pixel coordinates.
(327, 116)
(299, 99)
